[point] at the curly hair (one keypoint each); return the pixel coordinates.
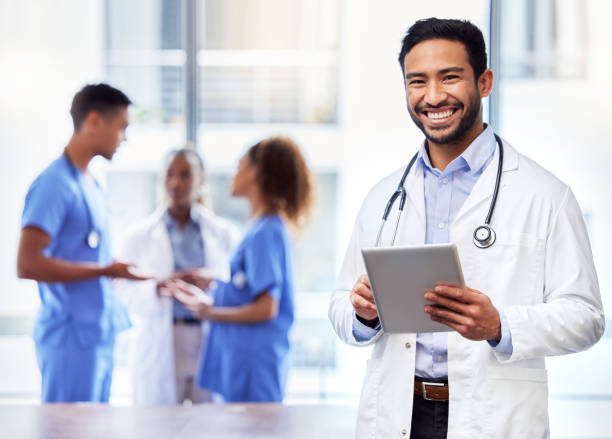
(284, 179)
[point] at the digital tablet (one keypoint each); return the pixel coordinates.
(399, 277)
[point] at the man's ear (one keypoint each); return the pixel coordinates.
(485, 83)
(92, 121)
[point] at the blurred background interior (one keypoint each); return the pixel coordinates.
(222, 74)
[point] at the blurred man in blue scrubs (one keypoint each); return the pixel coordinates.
(65, 247)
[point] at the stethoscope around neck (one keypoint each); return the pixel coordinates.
(484, 235)
(93, 236)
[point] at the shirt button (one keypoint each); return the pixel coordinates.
(444, 180)
(408, 345)
(440, 358)
(441, 225)
(404, 432)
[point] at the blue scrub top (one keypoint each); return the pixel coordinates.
(67, 205)
(249, 362)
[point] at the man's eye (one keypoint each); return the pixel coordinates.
(450, 77)
(416, 82)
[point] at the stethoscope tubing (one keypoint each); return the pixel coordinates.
(93, 237)
(401, 193)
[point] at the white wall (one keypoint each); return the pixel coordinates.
(48, 50)
(564, 126)
(375, 133)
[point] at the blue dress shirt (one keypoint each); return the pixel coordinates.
(445, 193)
(187, 250)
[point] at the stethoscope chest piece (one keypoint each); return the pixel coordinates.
(93, 239)
(484, 236)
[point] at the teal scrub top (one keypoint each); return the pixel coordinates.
(249, 362)
(67, 205)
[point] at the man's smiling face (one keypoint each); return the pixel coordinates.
(442, 94)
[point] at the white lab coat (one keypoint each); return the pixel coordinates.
(148, 247)
(539, 271)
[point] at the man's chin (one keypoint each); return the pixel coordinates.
(108, 155)
(440, 135)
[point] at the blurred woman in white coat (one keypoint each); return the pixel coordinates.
(181, 240)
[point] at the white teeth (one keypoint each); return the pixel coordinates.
(441, 115)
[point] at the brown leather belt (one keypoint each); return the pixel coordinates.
(431, 391)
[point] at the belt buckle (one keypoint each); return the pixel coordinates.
(425, 383)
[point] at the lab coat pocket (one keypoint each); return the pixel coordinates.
(517, 400)
(368, 404)
(512, 270)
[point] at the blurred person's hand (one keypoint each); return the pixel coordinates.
(163, 288)
(192, 297)
(122, 270)
(203, 278)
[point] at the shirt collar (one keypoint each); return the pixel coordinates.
(172, 223)
(475, 157)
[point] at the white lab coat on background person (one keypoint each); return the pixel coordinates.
(148, 247)
(539, 271)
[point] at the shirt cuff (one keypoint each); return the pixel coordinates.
(504, 345)
(362, 332)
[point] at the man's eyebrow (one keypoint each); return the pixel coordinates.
(414, 75)
(410, 75)
(451, 69)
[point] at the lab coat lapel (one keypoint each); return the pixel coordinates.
(483, 189)
(159, 235)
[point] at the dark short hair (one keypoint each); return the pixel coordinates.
(462, 31)
(187, 153)
(96, 97)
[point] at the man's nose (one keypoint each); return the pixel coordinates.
(435, 94)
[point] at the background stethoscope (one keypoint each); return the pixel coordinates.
(93, 237)
(484, 235)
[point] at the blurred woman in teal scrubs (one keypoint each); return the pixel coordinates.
(246, 357)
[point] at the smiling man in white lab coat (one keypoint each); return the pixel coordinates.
(533, 293)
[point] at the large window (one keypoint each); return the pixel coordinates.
(192, 67)
(271, 61)
(256, 61)
(544, 38)
(549, 83)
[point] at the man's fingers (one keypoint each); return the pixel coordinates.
(364, 280)
(364, 291)
(453, 304)
(464, 295)
(359, 303)
(459, 328)
(447, 314)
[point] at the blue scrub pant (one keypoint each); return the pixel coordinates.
(72, 372)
